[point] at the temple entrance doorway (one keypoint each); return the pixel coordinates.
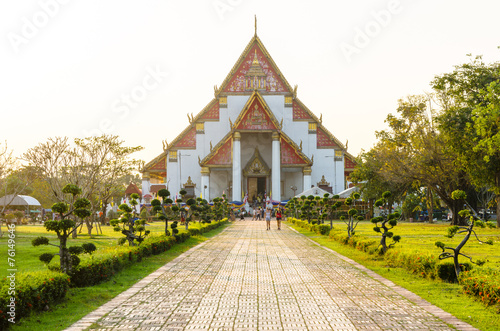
(256, 187)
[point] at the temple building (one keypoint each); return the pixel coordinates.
(254, 137)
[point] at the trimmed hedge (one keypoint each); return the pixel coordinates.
(33, 292)
(482, 283)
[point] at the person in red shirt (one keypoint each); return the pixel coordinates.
(278, 218)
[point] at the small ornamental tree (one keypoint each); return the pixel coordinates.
(385, 223)
(292, 206)
(330, 207)
(353, 218)
(192, 209)
(129, 224)
(468, 230)
(160, 207)
(64, 227)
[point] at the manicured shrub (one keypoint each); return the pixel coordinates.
(483, 284)
(33, 292)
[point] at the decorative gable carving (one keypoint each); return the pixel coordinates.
(256, 116)
(256, 166)
(237, 81)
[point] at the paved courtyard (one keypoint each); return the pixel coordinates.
(248, 278)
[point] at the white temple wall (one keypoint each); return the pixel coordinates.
(291, 178)
(172, 179)
(219, 182)
(235, 104)
(277, 105)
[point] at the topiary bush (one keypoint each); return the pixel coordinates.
(34, 292)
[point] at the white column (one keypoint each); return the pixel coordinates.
(205, 183)
(146, 184)
(236, 166)
(307, 177)
(339, 172)
(276, 168)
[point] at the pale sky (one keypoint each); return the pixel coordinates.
(70, 67)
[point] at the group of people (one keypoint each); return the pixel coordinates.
(266, 214)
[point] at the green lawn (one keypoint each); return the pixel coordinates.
(421, 236)
(81, 301)
(27, 255)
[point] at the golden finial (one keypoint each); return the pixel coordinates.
(216, 90)
(211, 145)
(346, 143)
(189, 118)
(255, 59)
(312, 159)
(255, 25)
(321, 118)
(165, 145)
(281, 123)
(295, 91)
(300, 146)
(199, 160)
(230, 123)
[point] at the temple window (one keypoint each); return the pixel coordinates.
(288, 101)
(338, 155)
(200, 127)
(312, 127)
(223, 102)
(172, 156)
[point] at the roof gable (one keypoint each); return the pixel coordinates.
(291, 155)
(186, 139)
(221, 154)
(256, 115)
(299, 112)
(255, 52)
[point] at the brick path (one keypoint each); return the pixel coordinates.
(248, 278)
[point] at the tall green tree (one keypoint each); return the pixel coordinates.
(413, 153)
(470, 120)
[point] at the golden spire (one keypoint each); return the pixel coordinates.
(255, 25)
(255, 59)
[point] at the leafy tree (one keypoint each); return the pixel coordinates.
(413, 153)
(470, 102)
(386, 222)
(64, 226)
(129, 224)
(92, 163)
(14, 179)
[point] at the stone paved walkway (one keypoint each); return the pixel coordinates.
(248, 278)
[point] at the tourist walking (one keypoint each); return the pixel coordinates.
(258, 214)
(268, 218)
(254, 214)
(278, 218)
